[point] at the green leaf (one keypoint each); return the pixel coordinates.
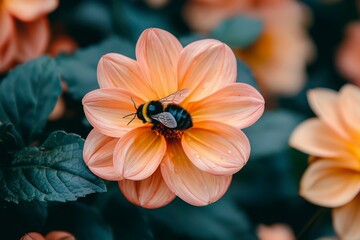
(238, 31)
(7, 140)
(79, 70)
(53, 172)
(28, 95)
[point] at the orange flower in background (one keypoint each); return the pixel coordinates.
(54, 235)
(348, 57)
(275, 232)
(279, 56)
(154, 163)
(333, 141)
(24, 31)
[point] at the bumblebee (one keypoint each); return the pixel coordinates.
(165, 111)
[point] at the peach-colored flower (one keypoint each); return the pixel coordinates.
(154, 163)
(24, 30)
(275, 232)
(279, 56)
(333, 141)
(54, 235)
(348, 58)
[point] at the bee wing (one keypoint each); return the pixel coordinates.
(176, 97)
(166, 119)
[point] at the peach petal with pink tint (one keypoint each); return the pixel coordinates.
(205, 67)
(106, 110)
(98, 155)
(317, 139)
(346, 219)
(237, 104)
(28, 10)
(325, 104)
(7, 53)
(138, 153)
(350, 111)
(157, 53)
(151, 192)
(32, 236)
(275, 232)
(6, 26)
(216, 148)
(188, 182)
(331, 182)
(118, 71)
(59, 235)
(32, 39)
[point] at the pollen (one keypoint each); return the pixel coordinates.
(171, 135)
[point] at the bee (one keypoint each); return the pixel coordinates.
(165, 111)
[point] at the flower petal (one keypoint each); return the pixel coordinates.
(6, 26)
(331, 182)
(151, 192)
(345, 219)
(28, 10)
(118, 71)
(98, 155)
(59, 235)
(32, 39)
(205, 67)
(106, 110)
(139, 153)
(32, 236)
(325, 103)
(237, 104)
(157, 53)
(350, 111)
(216, 148)
(317, 139)
(188, 182)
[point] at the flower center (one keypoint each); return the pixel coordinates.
(170, 135)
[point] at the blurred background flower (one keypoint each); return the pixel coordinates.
(24, 30)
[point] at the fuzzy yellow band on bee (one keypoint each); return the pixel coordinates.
(144, 110)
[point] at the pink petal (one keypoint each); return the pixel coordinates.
(118, 71)
(29, 10)
(151, 192)
(216, 148)
(331, 183)
(237, 104)
(205, 67)
(350, 111)
(32, 39)
(188, 182)
(7, 55)
(59, 235)
(32, 236)
(139, 153)
(157, 53)
(98, 155)
(106, 110)
(346, 219)
(317, 139)
(325, 103)
(6, 26)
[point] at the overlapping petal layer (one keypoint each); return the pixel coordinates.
(237, 104)
(138, 153)
(157, 53)
(151, 192)
(331, 182)
(205, 67)
(98, 155)
(216, 148)
(106, 110)
(188, 182)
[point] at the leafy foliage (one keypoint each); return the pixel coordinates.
(55, 171)
(28, 95)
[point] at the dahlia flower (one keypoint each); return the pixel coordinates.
(24, 31)
(333, 142)
(154, 163)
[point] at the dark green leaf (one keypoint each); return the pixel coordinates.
(53, 172)
(238, 31)
(7, 140)
(244, 74)
(79, 70)
(28, 95)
